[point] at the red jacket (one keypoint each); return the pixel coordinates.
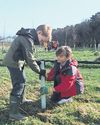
(67, 86)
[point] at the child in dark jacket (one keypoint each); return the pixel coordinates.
(68, 81)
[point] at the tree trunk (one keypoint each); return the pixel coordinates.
(94, 44)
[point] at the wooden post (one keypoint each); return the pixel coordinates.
(2, 47)
(95, 44)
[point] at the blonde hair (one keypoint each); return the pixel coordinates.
(46, 30)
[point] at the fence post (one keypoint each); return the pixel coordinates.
(2, 47)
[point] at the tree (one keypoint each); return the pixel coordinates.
(95, 25)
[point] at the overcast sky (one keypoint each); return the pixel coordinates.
(15, 14)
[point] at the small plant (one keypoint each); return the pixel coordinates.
(96, 53)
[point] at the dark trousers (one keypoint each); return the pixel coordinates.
(18, 81)
(55, 97)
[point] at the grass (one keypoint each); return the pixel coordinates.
(86, 55)
(85, 110)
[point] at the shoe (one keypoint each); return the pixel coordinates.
(28, 101)
(14, 113)
(17, 116)
(65, 101)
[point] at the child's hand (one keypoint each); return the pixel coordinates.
(46, 76)
(54, 90)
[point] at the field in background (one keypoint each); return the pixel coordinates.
(85, 110)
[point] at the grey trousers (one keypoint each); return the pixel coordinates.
(18, 81)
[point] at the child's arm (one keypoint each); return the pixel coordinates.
(50, 75)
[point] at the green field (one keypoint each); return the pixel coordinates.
(84, 110)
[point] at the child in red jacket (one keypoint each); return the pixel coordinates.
(67, 79)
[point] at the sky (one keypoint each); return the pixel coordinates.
(15, 14)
